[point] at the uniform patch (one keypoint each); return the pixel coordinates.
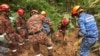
(89, 19)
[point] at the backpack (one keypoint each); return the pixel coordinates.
(34, 24)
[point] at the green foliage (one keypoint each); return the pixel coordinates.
(55, 8)
(28, 5)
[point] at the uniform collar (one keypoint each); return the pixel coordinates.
(83, 13)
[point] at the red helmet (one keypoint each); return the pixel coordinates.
(4, 7)
(64, 21)
(20, 11)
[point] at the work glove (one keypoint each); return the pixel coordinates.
(80, 34)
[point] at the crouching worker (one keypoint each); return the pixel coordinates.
(59, 35)
(63, 26)
(36, 34)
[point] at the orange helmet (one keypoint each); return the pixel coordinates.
(20, 11)
(74, 9)
(4, 7)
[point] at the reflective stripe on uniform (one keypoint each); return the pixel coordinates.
(2, 37)
(14, 50)
(50, 47)
(20, 43)
(38, 55)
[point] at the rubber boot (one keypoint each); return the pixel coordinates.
(50, 52)
(14, 53)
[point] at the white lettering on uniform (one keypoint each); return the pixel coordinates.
(89, 19)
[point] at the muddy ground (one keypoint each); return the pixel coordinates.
(67, 47)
